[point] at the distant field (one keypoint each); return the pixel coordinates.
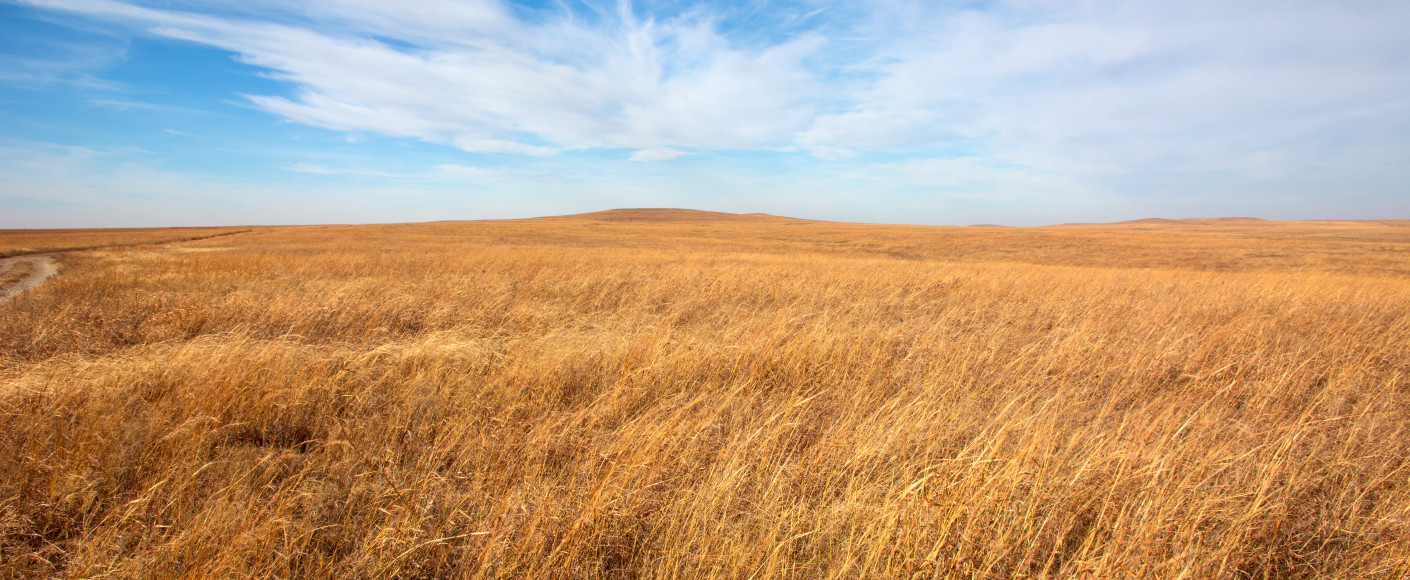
(17, 242)
(674, 394)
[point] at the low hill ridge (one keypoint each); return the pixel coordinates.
(669, 215)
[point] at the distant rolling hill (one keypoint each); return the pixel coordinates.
(1213, 224)
(1239, 222)
(669, 215)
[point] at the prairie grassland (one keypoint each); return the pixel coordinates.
(16, 242)
(675, 395)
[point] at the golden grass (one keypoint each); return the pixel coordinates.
(683, 397)
(18, 242)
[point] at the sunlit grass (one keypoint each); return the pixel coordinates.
(18, 242)
(621, 396)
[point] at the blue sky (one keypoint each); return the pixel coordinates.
(197, 112)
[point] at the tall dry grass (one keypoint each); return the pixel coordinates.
(622, 396)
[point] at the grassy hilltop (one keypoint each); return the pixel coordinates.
(678, 394)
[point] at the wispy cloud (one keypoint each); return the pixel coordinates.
(656, 154)
(461, 171)
(1008, 97)
(626, 83)
(440, 173)
(311, 168)
(474, 75)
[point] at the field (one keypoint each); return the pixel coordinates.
(672, 394)
(19, 242)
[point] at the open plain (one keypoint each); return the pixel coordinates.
(676, 394)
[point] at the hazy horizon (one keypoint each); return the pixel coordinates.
(191, 113)
(1201, 219)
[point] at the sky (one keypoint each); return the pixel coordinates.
(1027, 112)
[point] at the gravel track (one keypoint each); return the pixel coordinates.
(40, 268)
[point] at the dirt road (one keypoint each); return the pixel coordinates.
(21, 273)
